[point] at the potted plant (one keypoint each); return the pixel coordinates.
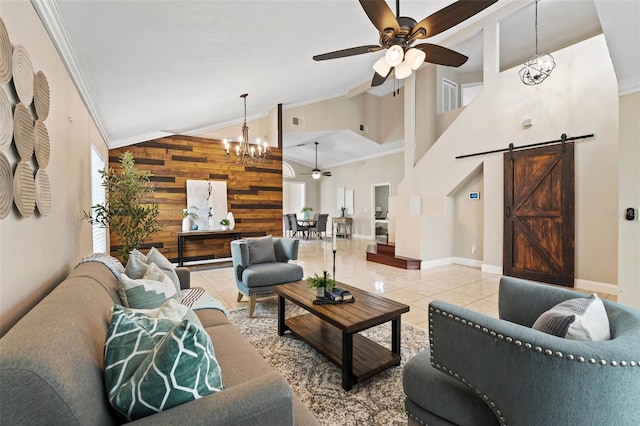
(305, 212)
(225, 224)
(188, 218)
(125, 211)
(320, 284)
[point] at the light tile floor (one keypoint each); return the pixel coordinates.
(456, 284)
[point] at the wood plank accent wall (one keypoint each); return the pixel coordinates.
(254, 194)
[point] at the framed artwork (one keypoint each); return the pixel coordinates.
(348, 201)
(208, 199)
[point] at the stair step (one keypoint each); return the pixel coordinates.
(397, 261)
(388, 249)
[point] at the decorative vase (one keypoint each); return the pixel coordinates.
(225, 227)
(319, 291)
(305, 214)
(211, 223)
(232, 221)
(187, 223)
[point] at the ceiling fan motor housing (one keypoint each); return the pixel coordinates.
(388, 38)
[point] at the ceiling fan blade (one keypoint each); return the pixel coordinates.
(441, 55)
(327, 174)
(449, 17)
(347, 52)
(377, 79)
(380, 15)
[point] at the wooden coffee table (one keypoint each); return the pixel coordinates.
(332, 329)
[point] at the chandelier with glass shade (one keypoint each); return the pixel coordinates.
(245, 153)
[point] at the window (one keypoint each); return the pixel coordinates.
(97, 197)
(449, 95)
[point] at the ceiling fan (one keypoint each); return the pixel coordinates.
(316, 173)
(398, 33)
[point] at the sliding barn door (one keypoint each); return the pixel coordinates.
(539, 214)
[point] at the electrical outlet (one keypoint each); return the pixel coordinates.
(473, 249)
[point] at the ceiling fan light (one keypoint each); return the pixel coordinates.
(315, 173)
(394, 55)
(403, 70)
(415, 57)
(382, 67)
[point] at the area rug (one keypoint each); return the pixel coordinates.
(378, 400)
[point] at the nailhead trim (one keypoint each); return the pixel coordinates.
(508, 339)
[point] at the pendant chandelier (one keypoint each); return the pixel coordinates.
(245, 153)
(538, 67)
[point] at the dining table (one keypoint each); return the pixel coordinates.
(305, 225)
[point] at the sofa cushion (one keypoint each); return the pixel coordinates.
(267, 274)
(152, 364)
(584, 318)
(144, 294)
(261, 250)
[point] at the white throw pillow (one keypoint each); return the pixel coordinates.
(583, 318)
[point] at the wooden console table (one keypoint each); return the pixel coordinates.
(346, 223)
(202, 235)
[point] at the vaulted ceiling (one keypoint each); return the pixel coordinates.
(147, 69)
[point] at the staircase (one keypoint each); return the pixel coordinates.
(386, 254)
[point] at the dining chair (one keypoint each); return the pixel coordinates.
(320, 225)
(288, 230)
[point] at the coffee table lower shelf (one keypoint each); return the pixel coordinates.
(367, 357)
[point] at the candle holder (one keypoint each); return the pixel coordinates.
(334, 264)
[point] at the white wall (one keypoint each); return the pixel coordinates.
(579, 98)
(36, 253)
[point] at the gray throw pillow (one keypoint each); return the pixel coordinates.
(584, 318)
(261, 250)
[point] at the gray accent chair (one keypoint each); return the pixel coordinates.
(256, 278)
(481, 370)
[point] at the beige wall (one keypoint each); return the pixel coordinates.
(360, 177)
(36, 253)
(629, 196)
(568, 102)
(468, 218)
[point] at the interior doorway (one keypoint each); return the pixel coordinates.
(380, 193)
(293, 196)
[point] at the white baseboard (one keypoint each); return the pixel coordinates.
(465, 261)
(492, 269)
(427, 264)
(205, 261)
(596, 286)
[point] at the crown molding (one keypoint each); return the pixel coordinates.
(51, 18)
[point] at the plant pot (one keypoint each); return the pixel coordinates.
(319, 291)
(225, 227)
(305, 215)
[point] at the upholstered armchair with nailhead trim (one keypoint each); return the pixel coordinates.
(481, 370)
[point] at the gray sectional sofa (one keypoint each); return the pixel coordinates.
(51, 365)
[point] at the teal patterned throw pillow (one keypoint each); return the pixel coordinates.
(144, 294)
(153, 364)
